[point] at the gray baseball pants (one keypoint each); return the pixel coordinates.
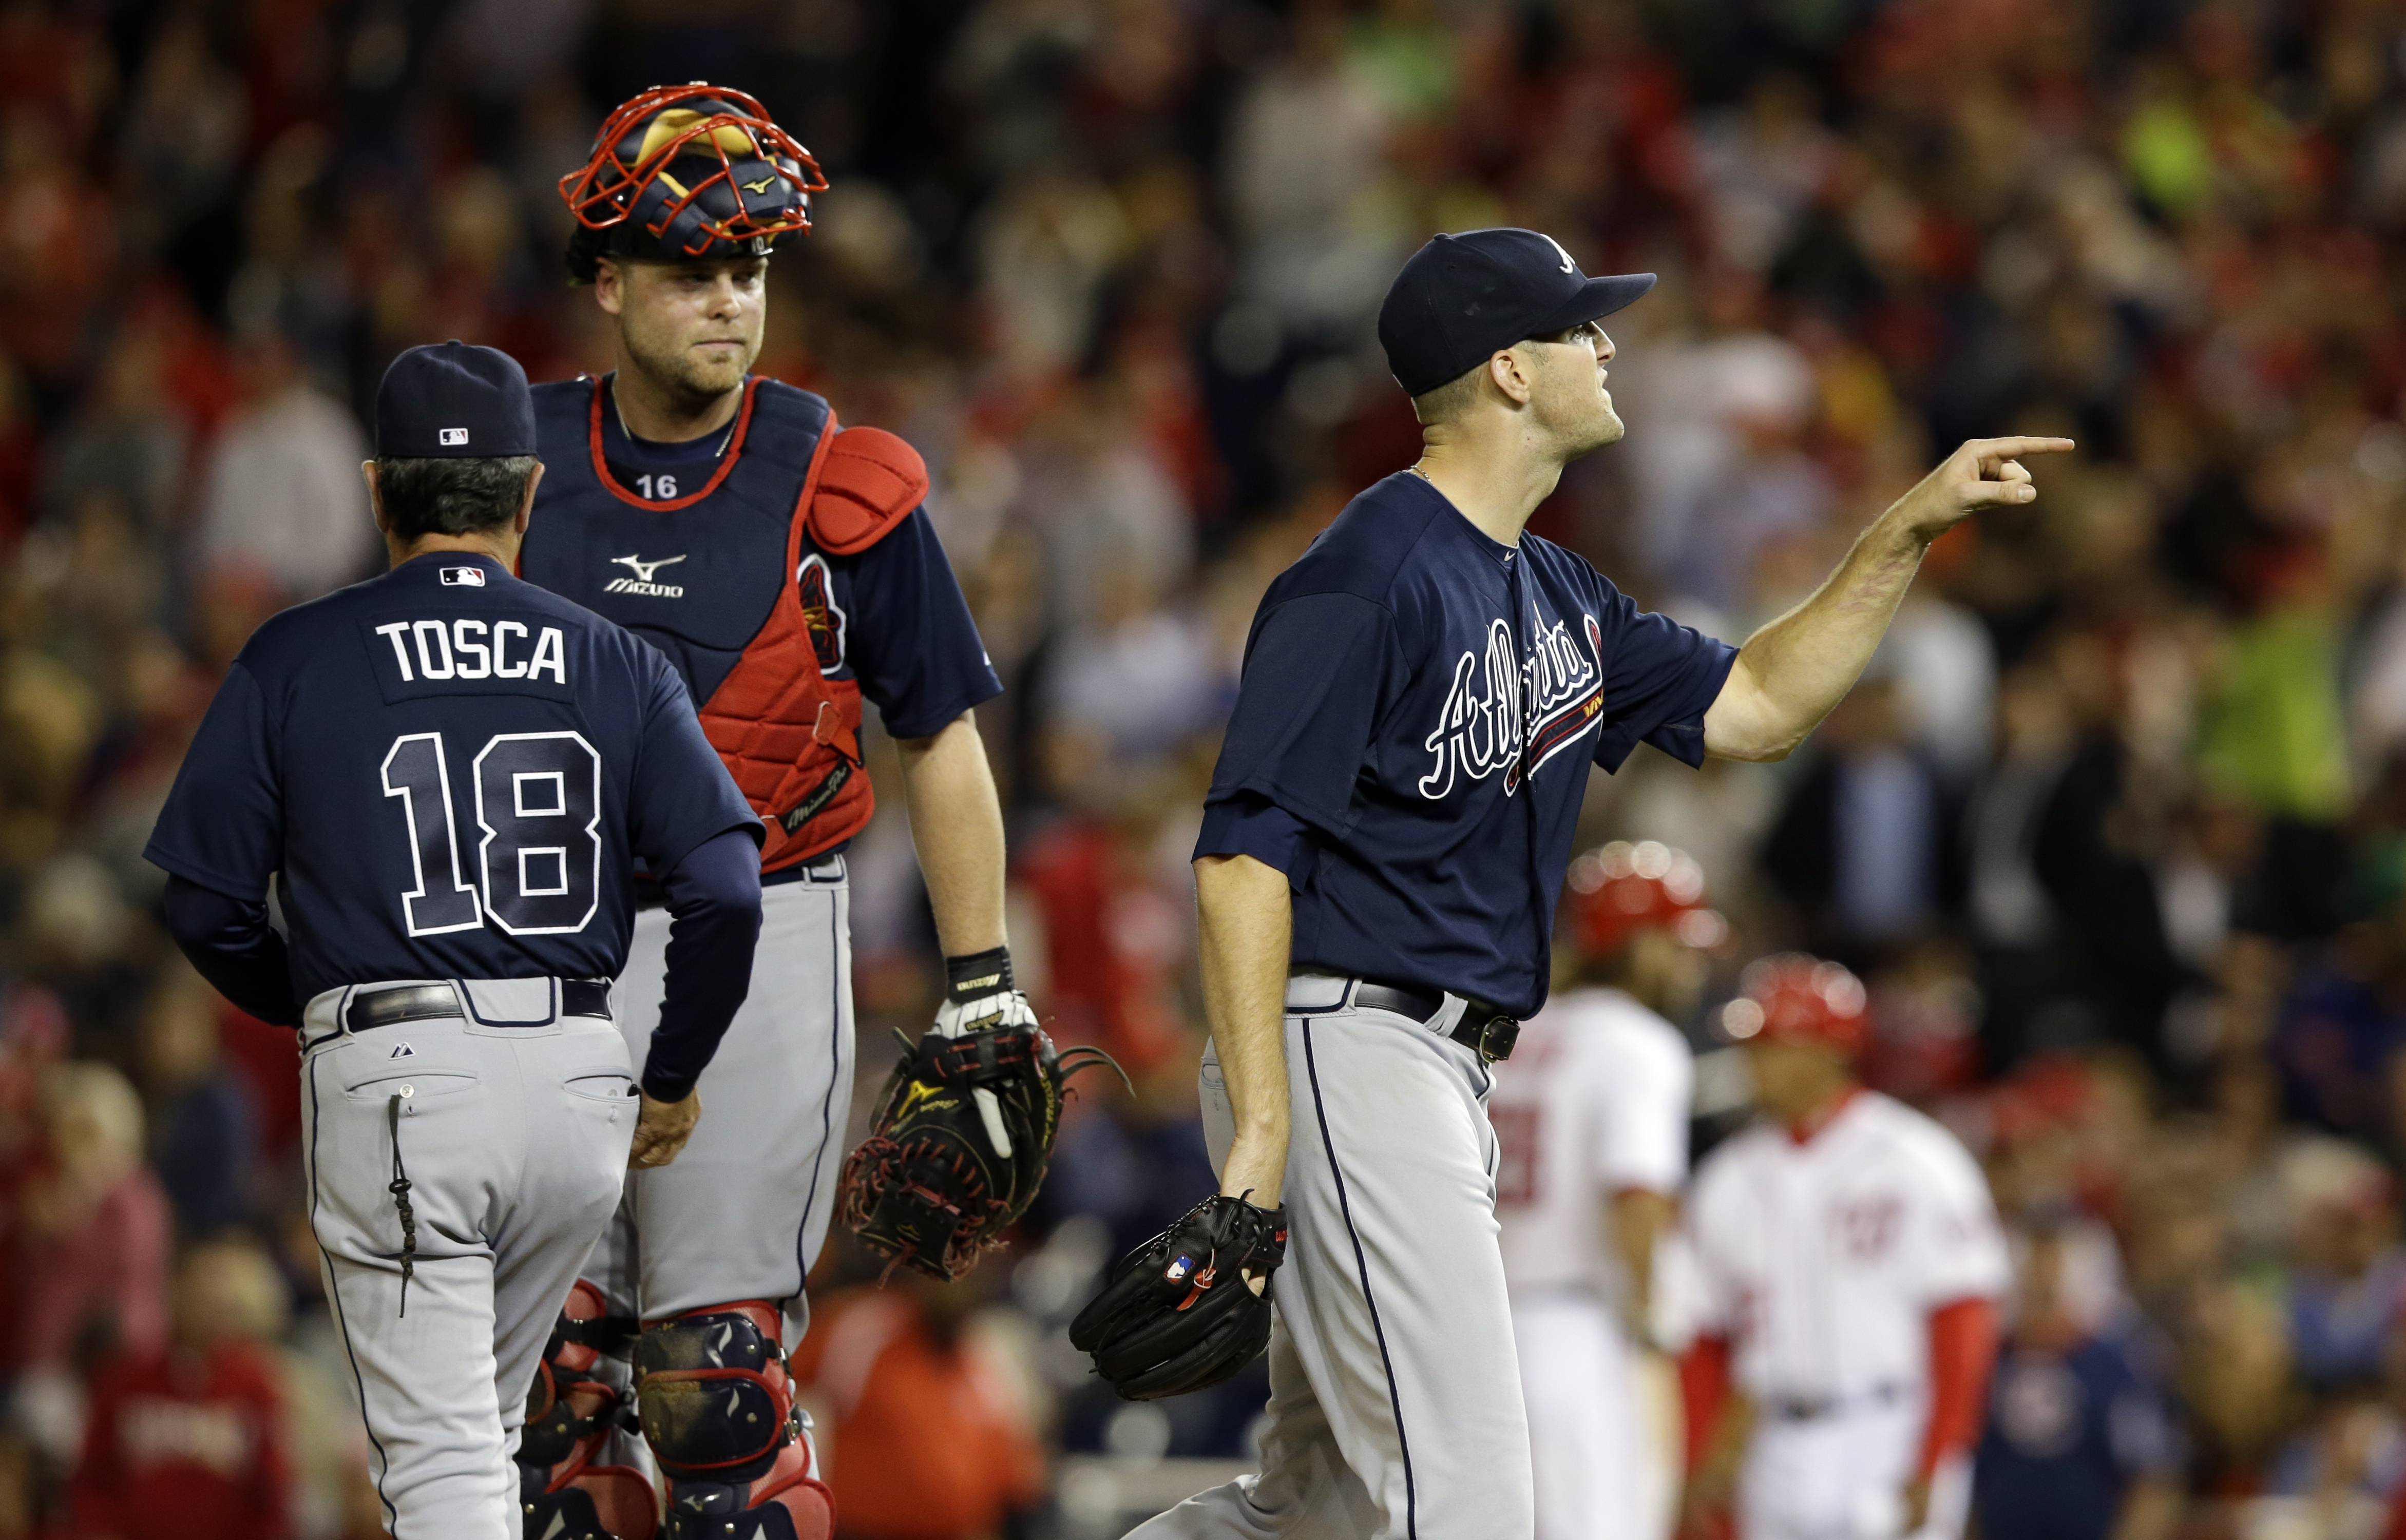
(743, 1212)
(1395, 1408)
(512, 1124)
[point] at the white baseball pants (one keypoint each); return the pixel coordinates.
(1395, 1394)
(1841, 1476)
(742, 1211)
(1603, 1430)
(514, 1140)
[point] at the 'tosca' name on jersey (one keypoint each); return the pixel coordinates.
(471, 649)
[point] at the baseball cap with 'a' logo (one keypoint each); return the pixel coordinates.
(1460, 298)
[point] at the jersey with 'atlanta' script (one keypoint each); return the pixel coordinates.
(1412, 740)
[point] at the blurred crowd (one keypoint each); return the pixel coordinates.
(2116, 829)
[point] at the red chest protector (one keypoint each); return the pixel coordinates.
(789, 735)
(791, 479)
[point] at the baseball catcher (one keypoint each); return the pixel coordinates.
(964, 1128)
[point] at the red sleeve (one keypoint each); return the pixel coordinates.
(1704, 1387)
(1963, 1349)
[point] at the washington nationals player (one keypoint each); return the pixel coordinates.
(467, 1104)
(1590, 1120)
(1383, 846)
(786, 570)
(1850, 1260)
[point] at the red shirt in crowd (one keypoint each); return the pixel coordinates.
(930, 1442)
(185, 1447)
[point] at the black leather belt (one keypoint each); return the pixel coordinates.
(1810, 1408)
(1483, 1029)
(371, 1008)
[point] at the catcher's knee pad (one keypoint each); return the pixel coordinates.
(787, 1504)
(594, 1503)
(713, 1394)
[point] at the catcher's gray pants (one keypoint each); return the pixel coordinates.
(1395, 1408)
(512, 1125)
(741, 1213)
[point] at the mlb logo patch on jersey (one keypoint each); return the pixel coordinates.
(451, 437)
(464, 578)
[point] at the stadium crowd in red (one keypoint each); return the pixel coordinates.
(2115, 829)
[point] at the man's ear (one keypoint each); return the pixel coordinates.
(1508, 369)
(609, 286)
(376, 496)
(526, 508)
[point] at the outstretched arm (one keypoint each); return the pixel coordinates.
(957, 823)
(1248, 919)
(1792, 671)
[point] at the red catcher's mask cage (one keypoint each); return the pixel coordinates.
(700, 120)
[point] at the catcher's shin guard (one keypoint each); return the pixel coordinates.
(571, 1410)
(787, 1504)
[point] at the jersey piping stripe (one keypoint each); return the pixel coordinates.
(334, 1297)
(1395, 1393)
(667, 506)
(838, 1033)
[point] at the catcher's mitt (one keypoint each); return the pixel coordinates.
(1177, 1314)
(964, 1128)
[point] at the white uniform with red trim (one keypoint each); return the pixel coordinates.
(1593, 1101)
(1820, 1261)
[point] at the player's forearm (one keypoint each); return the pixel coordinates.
(1247, 925)
(1638, 1218)
(957, 823)
(714, 901)
(229, 943)
(1790, 673)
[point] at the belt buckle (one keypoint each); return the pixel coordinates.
(1497, 1036)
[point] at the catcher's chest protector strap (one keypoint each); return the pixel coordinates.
(714, 1393)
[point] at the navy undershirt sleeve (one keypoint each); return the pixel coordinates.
(714, 901)
(232, 945)
(910, 638)
(1661, 679)
(1319, 672)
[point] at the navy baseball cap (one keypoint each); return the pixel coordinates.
(1462, 297)
(454, 400)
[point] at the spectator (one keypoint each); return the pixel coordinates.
(933, 1436)
(285, 495)
(186, 1441)
(203, 1131)
(2081, 1442)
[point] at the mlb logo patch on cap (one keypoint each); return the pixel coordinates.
(464, 578)
(450, 401)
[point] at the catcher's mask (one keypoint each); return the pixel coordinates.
(690, 173)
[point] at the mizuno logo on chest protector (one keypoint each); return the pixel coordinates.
(642, 582)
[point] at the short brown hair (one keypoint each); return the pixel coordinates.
(1451, 398)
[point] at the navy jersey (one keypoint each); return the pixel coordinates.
(2067, 1433)
(453, 771)
(698, 581)
(1411, 740)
